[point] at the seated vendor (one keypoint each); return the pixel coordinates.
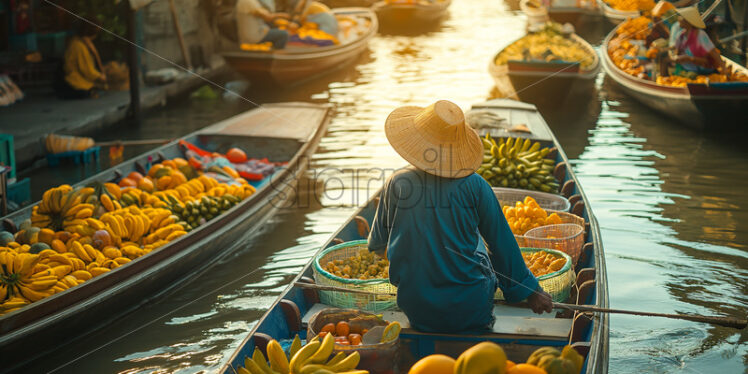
(432, 220)
(695, 53)
(664, 17)
(81, 69)
(252, 18)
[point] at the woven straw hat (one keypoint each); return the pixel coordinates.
(691, 14)
(435, 139)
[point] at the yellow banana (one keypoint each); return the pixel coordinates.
(324, 351)
(106, 202)
(260, 360)
(298, 359)
(276, 357)
(70, 280)
(347, 363)
(98, 270)
(251, 367)
(30, 294)
(79, 251)
(82, 275)
(41, 285)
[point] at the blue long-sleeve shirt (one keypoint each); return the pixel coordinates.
(432, 228)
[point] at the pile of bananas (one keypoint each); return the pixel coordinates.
(88, 231)
(546, 45)
(517, 163)
(313, 358)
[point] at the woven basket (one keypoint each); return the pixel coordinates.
(547, 201)
(565, 218)
(558, 284)
(350, 300)
(566, 237)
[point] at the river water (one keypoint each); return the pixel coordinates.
(670, 202)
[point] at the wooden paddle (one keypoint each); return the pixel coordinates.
(735, 323)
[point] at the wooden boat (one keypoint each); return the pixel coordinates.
(348, 3)
(562, 11)
(287, 132)
(518, 330)
(546, 83)
(296, 64)
(695, 105)
(415, 15)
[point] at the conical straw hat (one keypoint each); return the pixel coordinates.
(691, 14)
(435, 139)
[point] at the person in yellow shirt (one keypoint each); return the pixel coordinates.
(81, 68)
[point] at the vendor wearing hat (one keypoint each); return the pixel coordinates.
(695, 52)
(433, 218)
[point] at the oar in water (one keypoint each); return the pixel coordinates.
(735, 323)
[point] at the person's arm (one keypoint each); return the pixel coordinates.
(515, 279)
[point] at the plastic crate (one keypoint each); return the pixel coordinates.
(78, 157)
(20, 192)
(8, 154)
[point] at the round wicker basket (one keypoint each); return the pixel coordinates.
(558, 284)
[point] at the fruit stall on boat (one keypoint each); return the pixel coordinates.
(714, 99)
(411, 14)
(544, 66)
(307, 309)
(91, 252)
(299, 62)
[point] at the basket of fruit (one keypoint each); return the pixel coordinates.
(528, 214)
(565, 237)
(375, 340)
(510, 196)
(352, 265)
(553, 270)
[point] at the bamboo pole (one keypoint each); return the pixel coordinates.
(134, 142)
(178, 29)
(735, 323)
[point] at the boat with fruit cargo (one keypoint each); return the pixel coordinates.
(620, 10)
(298, 63)
(707, 100)
(412, 13)
(544, 66)
(99, 249)
(320, 288)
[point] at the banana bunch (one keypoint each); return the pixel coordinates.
(313, 358)
(138, 197)
(517, 163)
(20, 277)
(64, 207)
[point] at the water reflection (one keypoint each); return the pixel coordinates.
(670, 201)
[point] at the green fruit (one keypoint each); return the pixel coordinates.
(6, 238)
(38, 247)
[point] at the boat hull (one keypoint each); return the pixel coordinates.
(72, 314)
(292, 311)
(295, 66)
(411, 15)
(705, 108)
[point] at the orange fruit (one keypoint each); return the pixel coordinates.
(152, 171)
(127, 182)
(146, 184)
(177, 178)
(509, 364)
(163, 182)
(180, 162)
(434, 364)
(526, 369)
(355, 339)
(329, 328)
(342, 329)
(135, 176)
(322, 334)
(169, 164)
(236, 155)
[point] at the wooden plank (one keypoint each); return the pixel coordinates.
(516, 113)
(509, 321)
(285, 121)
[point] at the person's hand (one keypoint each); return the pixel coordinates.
(540, 301)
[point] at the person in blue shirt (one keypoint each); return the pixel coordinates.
(432, 221)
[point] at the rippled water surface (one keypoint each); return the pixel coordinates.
(671, 203)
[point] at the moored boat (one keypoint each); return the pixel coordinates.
(414, 14)
(517, 330)
(696, 105)
(561, 11)
(545, 82)
(296, 64)
(284, 132)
